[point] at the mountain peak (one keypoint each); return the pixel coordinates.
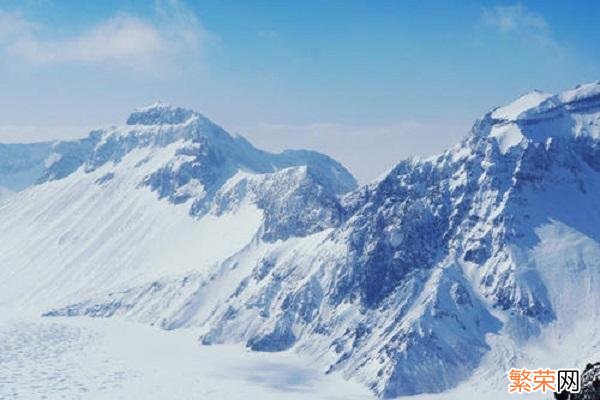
(538, 116)
(538, 105)
(160, 113)
(524, 103)
(581, 92)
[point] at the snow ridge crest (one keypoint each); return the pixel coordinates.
(161, 113)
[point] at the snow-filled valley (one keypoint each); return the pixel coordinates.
(93, 359)
(167, 258)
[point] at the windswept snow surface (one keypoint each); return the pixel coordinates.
(122, 235)
(93, 359)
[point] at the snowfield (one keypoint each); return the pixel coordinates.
(63, 358)
(82, 358)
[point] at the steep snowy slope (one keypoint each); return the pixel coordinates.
(445, 270)
(128, 205)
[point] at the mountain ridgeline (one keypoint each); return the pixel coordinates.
(406, 284)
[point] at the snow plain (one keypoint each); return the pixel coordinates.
(106, 359)
(82, 358)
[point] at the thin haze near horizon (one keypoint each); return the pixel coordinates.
(369, 83)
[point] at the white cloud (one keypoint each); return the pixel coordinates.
(122, 38)
(119, 38)
(268, 34)
(515, 18)
(13, 26)
(525, 24)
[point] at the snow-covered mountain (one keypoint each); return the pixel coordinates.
(133, 203)
(445, 269)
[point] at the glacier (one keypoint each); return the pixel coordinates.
(445, 272)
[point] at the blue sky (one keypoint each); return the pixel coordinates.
(368, 82)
